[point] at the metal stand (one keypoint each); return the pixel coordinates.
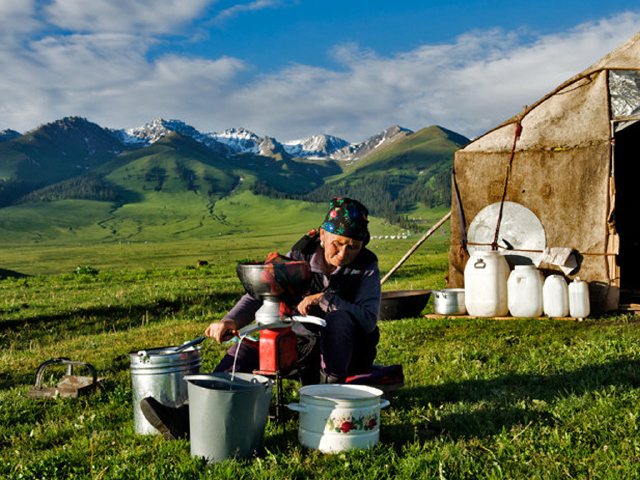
(280, 406)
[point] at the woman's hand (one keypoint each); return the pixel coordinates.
(222, 331)
(306, 306)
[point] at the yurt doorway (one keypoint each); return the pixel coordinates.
(627, 173)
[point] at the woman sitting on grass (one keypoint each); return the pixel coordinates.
(345, 291)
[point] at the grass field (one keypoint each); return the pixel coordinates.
(45, 239)
(527, 398)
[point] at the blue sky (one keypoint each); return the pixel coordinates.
(289, 69)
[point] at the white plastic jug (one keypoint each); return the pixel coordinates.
(555, 296)
(524, 291)
(579, 306)
(485, 284)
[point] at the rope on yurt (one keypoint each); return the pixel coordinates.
(512, 249)
(494, 244)
(463, 223)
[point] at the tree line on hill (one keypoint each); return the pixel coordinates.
(387, 196)
(88, 186)
(382, 194)
(12, 189)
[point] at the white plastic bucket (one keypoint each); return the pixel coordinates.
(555, 296)
(524, 291)
(485, 284)
(579, 306)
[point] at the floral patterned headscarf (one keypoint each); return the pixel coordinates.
(347, 218)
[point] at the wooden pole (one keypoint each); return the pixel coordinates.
(415, 247)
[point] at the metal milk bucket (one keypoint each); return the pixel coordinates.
(449, 301)
(227, 414)
(159, 373)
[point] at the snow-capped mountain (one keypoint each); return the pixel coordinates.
(316, 146)
(152, 132)
(355, 151)
(158, 128)
(323, 146)
(71, 147)
(271, 147)
(239, 140)
(6, 135)
(242, 141)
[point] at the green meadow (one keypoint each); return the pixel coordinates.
(483, 398)
(168, 230)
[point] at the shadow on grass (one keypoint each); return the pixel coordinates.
(496, 405)
(11, 274)
(72, 323)
(112, 318)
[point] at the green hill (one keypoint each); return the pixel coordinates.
(412, 154)
(398, 177)
(173, 164)
(178, 188)
(56, 151)
(51, 153)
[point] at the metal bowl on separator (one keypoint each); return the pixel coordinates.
(398, 304)
(275, 279)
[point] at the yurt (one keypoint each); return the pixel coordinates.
(554, 185)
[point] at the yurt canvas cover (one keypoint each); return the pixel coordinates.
(573, 159)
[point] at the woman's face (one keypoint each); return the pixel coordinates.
(339, 250)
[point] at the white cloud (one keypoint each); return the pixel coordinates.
(16, 17)
(174, 87)
(468, 85)
(15, 9)
(246, 7)
(131, 16)
(108, 79)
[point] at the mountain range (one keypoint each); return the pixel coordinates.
(240, 140)
(134, 172)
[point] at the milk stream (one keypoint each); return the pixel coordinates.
(235, 358)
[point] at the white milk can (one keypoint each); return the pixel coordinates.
(555, 296)
(485, 284)
(524, 291)
(579, 306)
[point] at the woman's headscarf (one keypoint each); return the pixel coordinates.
(347, 218)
